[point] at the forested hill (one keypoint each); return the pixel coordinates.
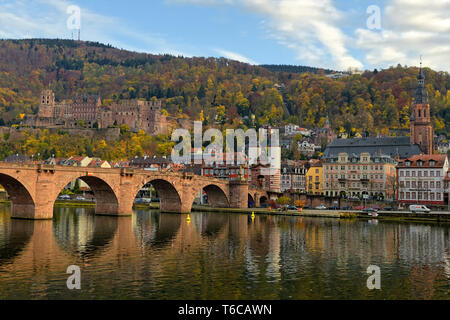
(216, 91)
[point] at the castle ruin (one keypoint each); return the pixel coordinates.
(89, 112)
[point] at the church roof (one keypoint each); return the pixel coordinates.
(390, 146)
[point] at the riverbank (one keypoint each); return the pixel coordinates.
(338, 214)
(437, 216)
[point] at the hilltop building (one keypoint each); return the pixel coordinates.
(89, 112)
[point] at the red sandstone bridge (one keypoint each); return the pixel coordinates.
(33, 189)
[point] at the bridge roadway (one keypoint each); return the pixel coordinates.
(34, 188)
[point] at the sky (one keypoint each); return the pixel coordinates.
(334, 34)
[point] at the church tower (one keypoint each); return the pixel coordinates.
(422, 132)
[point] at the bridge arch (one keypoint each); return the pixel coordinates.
(217, 195)
(169, 197)
(251, 201)
(22, 202)
(106, 200)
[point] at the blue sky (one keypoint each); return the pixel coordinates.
(321, 33)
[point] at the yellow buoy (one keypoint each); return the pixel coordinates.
(253, 216)
(188, 219)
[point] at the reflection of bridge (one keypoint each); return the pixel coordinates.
(33, 189)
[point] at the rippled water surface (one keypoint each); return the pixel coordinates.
(220, 256)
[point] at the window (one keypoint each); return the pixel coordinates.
(413, 184)
(438, 184)
(432, 196)
(402, 184)
(401, 173)
(407, 173)
(408, 184)
(425, 184)
(413, 174)
(438, 173)
(402, 195)
(408, 196)
(431, 173)
(425, 173)
(438, 196)
(413, 195)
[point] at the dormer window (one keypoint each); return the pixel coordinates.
(419, 163)
(408, 163)
(432, 163)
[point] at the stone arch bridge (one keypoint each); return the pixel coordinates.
(33, 189)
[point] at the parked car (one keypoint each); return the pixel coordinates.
(418, 208)
(307, 207)
(376, 208)
(358, 208)
(333, 208)
(369, 210)
(388, 209)
(64, 197)
(80, 198)
(346, 208)
(156, 200)
(141, 200)
(292, 208)
(321, 207)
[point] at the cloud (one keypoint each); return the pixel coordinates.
(235, 56)
(48, 19)
(410, 28)
(310, 28)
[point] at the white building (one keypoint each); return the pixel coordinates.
(421, 179)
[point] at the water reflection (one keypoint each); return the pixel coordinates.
(219, 256)
(13, 237)
(81, 232)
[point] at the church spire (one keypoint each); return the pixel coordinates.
(421, 96)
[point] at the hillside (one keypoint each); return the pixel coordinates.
(216, 91)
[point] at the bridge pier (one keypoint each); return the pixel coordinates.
(22, 211)
(238, 194)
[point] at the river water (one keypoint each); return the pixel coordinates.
(220, 256)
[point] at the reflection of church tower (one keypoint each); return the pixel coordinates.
(47, 104)
(422, 132)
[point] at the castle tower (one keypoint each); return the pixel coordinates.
(422, 132)
(47, 104)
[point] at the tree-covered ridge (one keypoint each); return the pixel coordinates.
(219, 92)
